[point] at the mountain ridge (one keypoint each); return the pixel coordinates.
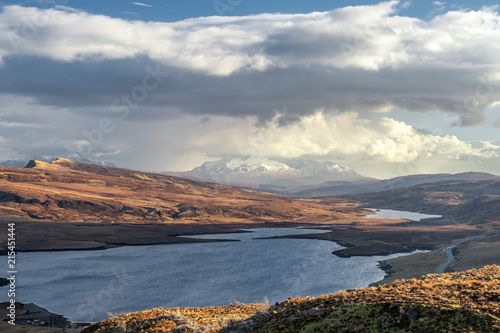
(262, 170)
(474, 201)
(23, 162)
(363, 186)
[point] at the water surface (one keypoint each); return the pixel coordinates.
(89, 285)
(398, 214)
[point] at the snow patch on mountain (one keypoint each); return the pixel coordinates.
(259, 170)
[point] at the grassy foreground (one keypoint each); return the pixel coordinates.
(466, 301)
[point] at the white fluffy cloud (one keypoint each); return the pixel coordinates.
(336, 136)
(367, 37)
(381, 147)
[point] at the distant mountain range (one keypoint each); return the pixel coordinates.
(22, 162)
(261, 170)
(468, 200)
(309, 178)
(369, 185)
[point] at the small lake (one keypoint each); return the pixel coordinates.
(87, 286)
(398, 214)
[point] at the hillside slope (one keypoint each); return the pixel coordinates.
(67, 191)
(456, 302)
(368, 185)
(22, 162)
(474, 202)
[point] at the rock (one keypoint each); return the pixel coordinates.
(412, 313)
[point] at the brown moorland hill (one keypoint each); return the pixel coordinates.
(472, 202)
(466, 301)
(66, 191)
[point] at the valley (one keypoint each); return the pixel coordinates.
(65, 205)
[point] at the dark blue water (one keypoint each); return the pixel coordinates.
(90, 285)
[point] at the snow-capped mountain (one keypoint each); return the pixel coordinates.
(261, 170)
(230, 166)
(22, 162)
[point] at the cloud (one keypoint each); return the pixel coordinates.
(371, 146)
(380, 147)
(439, 5)
(363, 59)
(141, 4)
(29, 128)
(497, 123)
(250, 85)
(14, 124)
(132, 14)
(375, 38)
(336, 136)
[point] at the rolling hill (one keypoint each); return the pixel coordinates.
(368, 185)
(66, 191)
(472, 202)
(22, 162)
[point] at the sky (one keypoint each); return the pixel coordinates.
(387, 88)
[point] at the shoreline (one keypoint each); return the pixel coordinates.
(117, 245)
(130, 234)
(70, 236)
(179, 239)
(176, 232)
(339, 253)
(367, 252)
(370, 251)
(388, 270)
(64, 321)
(32, 315)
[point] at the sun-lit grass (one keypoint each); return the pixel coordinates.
(210, 319)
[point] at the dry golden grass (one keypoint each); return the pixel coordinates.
(210, 319)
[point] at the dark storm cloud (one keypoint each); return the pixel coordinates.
(91, 87)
